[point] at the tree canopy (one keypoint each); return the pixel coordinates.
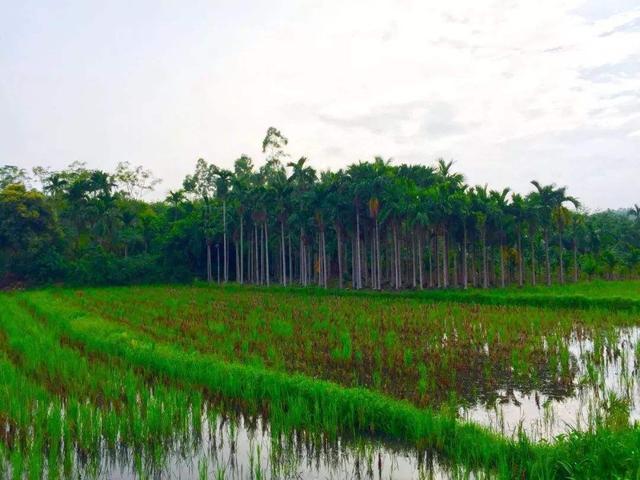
(372, 224)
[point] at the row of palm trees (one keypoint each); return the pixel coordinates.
(377, 225)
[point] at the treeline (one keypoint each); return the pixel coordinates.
(372, 225)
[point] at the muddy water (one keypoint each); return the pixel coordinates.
(605, 382)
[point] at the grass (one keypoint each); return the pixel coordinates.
(130, 366)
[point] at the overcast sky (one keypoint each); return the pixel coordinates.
(511, 90)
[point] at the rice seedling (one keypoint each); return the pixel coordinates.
(136, 375)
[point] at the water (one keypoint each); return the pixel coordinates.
(599, 371)
(239, 448)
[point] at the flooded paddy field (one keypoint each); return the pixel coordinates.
(199, 382)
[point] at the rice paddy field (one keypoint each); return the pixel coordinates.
(240, 382)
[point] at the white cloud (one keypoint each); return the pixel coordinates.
(512, 89)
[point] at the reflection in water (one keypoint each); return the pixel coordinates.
(604, 383)
(245, 448)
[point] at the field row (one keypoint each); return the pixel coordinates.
(84, 371)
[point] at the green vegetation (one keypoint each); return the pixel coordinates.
(84, 370)
(373, 225)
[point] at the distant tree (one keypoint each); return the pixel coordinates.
(202, 184)
(10, 174)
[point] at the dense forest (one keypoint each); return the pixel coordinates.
(371, 225)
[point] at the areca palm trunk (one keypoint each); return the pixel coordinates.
(485, 267)
(454, 277)
(290, 259)
(436, 257)
(237, 250)
(266, 252)
(339, 246)
(575, 260)
(533, 260)
(218, 262)
(561, 249)
(445, 260)
(302, 259)
(520, 260)
(241, 250)
(413, 261)
(209, 274)
(358, 256)
(396, 281)
(546, 256)
(256, 256)
(420, 266)
(465, 273)
(224, 241)
(324, 259)
(502, 283)
(353, 263)
(284, 260)
(378, 255)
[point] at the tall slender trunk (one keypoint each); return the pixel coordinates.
(241, 249)
(353, 263)
(456, 271)
(533, 260)
(324, 260)
(575, 260)
(413, 261)
(284, 260)
(436, 257)
(502, 284)
(266, 251)
(445, 259)
(224, 241)
(358, 257)
(290, 259)
(520, 260)
(561, 248)
(237, 250)
(546, 256)
(396, 258)
(209, 274)
(302, 259)
(256, 256)
(378, 255)
(374, 273)
(485, 273)
(218, 262)
(465, 272)
(474, 270)
(339, 245)
(420, 266)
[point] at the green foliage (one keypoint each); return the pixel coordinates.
(416, 226)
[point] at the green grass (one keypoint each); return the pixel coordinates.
(128, 365)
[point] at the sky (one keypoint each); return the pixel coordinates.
(511, 90)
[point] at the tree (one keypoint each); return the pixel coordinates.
(550, 200)
(10, 174)
(202, 184)
(222, 184)
(28, 236)
(134, 182)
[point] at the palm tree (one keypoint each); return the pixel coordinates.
(447, 186)
(223, 181)
(175, 199)
(518, 211)
(499, 217)
(550, 199)
(302, 179)
(480, 207)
